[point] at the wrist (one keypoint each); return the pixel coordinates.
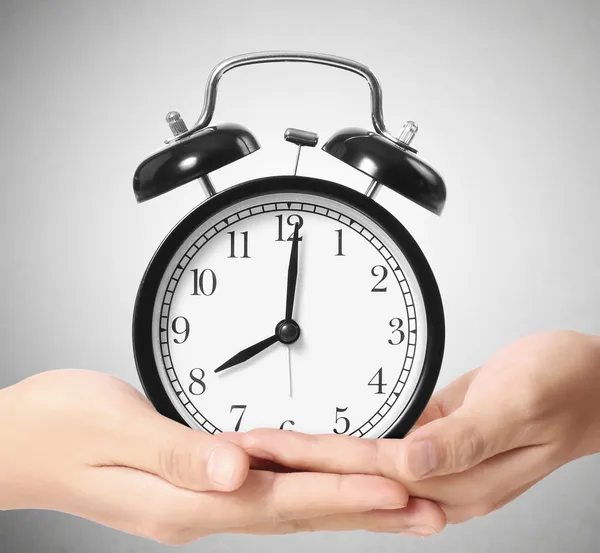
(15, 492)
(8, 491)
(592, 434)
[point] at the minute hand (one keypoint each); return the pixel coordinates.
(292, 276)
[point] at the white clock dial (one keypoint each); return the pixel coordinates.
(358, 304)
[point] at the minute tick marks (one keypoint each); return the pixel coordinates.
(203, 243)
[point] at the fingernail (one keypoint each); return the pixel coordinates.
(222, 466)
(419, 531)
(421, 458)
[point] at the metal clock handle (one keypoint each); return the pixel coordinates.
(210, 96)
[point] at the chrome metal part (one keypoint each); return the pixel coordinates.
(408, 132)
(301, 138)
(210, 96)
(178, 128)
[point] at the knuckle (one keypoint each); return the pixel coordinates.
(457, 515)
(279, 511)
(339, 485)
(168, 462)
(176, 462)
(466, 451)
(278, 515)
(297, 526)
(167, 534)
(310, 443)
(378, 456)
(255, 435)
(269, 497)
(481, 508)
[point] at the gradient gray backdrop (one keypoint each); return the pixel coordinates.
(506, 95)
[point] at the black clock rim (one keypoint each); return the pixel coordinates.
(144, 304)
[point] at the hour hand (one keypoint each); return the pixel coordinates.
(248, 353)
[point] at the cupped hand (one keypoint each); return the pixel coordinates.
(495, 432)
(89, 444)
(487, 437)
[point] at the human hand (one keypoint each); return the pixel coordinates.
(492, 434)
(90, 445)
(487, 437)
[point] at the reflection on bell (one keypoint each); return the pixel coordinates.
(391, 165)
(192, 158)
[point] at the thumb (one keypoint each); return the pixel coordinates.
(455, 443)
(190, 459)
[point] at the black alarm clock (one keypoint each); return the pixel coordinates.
(290, 301)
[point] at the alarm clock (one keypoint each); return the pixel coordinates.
(290, 301)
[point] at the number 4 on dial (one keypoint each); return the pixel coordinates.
(379, 382)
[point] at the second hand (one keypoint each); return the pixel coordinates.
(289, 355)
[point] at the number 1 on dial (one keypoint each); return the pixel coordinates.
(339, 251)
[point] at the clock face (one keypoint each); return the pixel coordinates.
(359, 306)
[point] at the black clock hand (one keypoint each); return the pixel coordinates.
(292, 276)
(248, 353)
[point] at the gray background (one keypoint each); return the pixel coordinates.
(506, 95)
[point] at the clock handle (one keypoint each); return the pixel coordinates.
(210, 95)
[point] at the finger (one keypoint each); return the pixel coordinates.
(257, 463)
(489, 485)
(186, 458)
(143, 504)
(432, 412)
(459, 441)
(457, 514)
(447, 400)
(324, 452)
(272, 498)
(419, 518)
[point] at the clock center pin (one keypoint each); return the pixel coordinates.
(287, 331)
